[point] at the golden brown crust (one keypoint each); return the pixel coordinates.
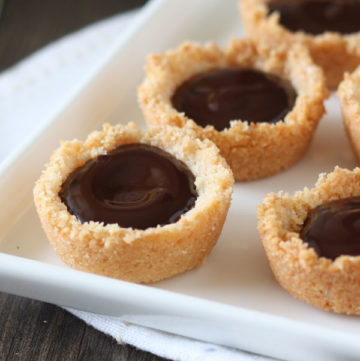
(349, 94)
(330, 285)
(252, 150)
(334, 52)
(137, 255)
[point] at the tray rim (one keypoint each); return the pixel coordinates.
(166, 304)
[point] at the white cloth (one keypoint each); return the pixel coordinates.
(163, 344)
(29, 91)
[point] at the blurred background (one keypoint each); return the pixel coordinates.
(28, 25)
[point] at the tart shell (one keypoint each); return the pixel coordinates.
(349, 94)
(130, 254)
(252, 150)
(330, 285)
(334, 52)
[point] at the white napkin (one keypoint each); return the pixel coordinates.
(28, 93)
(163, 344)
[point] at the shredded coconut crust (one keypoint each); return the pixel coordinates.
(252, 150)
(349, 94)
(131, 254)
(330, 285)
(334, 52)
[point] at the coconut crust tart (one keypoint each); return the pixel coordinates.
(312, 242)
(135, 205)
(186, 88)
(330, 29)
(349, 94)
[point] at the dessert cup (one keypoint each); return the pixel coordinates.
(130, 254)
(349, 94)
(336, 53)
(253, 150)
(320, 281)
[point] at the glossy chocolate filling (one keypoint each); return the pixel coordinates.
(333, 229)
(135, 185)
(217, 97)
(316, 17)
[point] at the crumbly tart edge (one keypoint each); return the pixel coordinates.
(252, 150)
(330, 285)
(334, 52)
(349, 95)
(136, 255)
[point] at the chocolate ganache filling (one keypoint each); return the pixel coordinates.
(333, 229)
(219, 96)
(317, 16)
(135, 185)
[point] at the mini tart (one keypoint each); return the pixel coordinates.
(330, 285)
(129, 254)
(349, 94)
(252, 150)
(334, 52)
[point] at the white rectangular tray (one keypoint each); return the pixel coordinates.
(233, 299)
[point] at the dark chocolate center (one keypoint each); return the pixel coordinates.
(135, 185)
(217, 97)
(333, 229)
(316, 16)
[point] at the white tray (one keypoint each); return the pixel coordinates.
(233, 299)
